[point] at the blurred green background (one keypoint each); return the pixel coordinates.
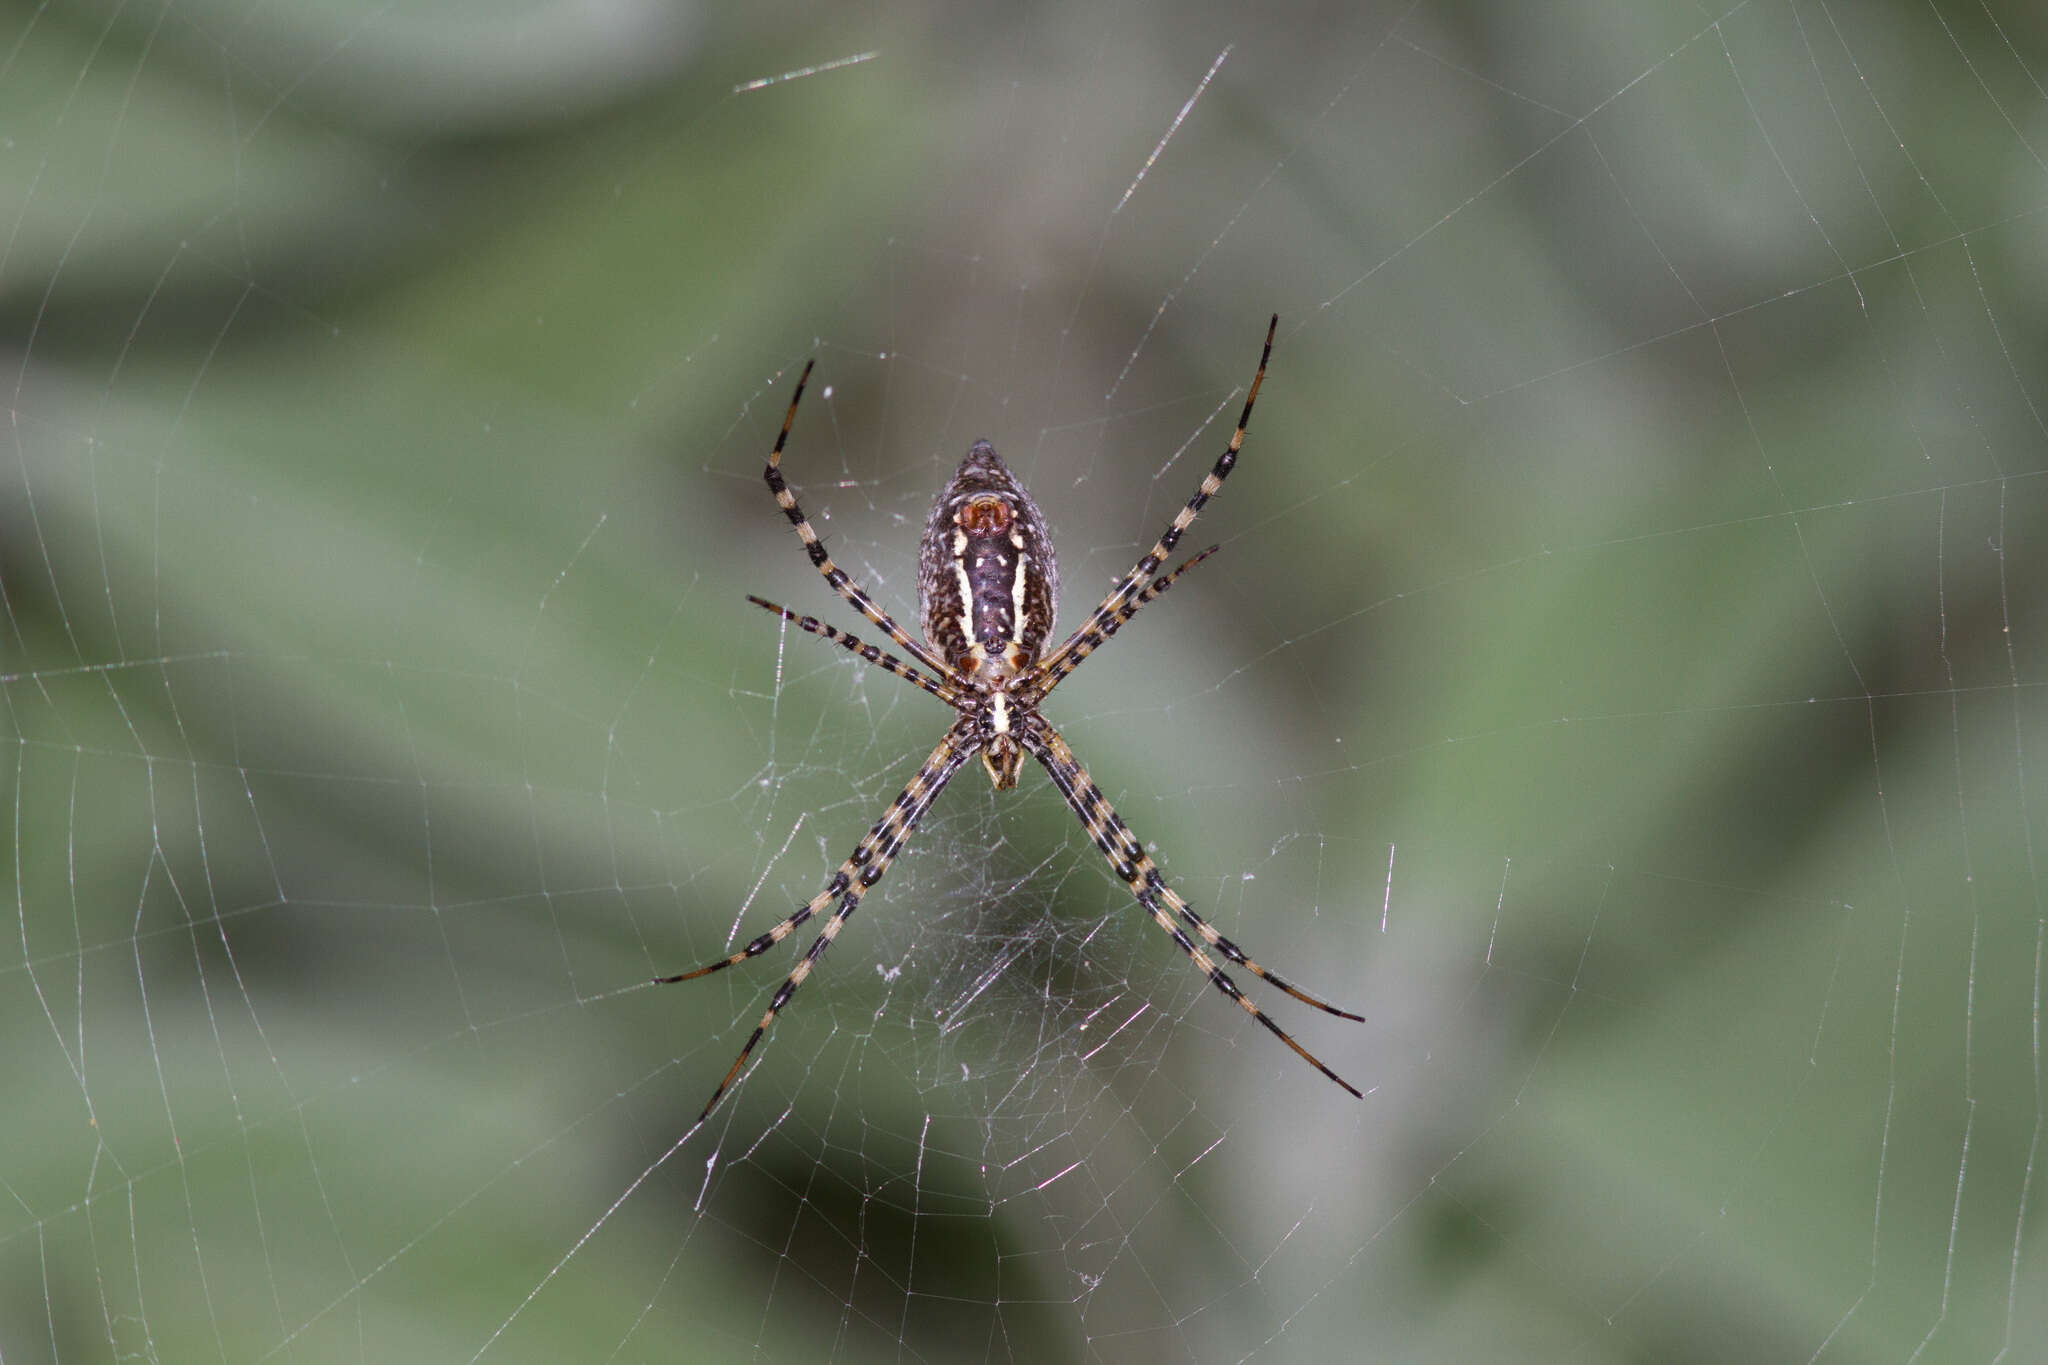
(1622, 679)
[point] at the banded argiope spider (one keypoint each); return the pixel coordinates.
(987, 588)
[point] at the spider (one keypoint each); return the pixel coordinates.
(987, 587)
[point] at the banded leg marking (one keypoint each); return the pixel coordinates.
(861, 870)
(1127, 587)
(874, 654)
(1138, 873)
(1092, 640)
(1134, 867)
(841, 582)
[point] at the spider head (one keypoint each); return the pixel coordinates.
(1002, 758)
(1000, 752)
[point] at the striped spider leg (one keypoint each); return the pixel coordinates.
(987, 591)
(1123, 600)
(1138, 872)
(815, 548)
(861, 870)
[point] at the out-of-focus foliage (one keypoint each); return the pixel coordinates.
(1623, 677)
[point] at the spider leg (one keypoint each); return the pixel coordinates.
(1082, 649)
(861, 870)
(875, 655)
(1141, 875)
(1096, 628)
(1121, 847)
(815, 548)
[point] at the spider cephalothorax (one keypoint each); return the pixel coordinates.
(987, 590)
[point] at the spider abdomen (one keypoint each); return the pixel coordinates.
(987, 584)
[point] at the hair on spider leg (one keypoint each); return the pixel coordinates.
(988, 588)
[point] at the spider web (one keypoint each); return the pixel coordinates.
(1621, 681)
